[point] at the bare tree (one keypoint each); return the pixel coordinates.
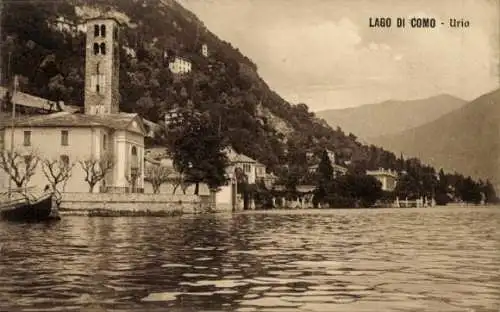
(178, 180)
(157, 175)
(19, 167)
(132, 178)
(57, 171)
(96, 169)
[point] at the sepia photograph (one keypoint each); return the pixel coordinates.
(250, 155)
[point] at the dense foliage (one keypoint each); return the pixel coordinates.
(197, 150)
(417, 180)
(350, 190)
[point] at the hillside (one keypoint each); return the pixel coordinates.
(466, 140)
(48, 54)
(390, 117)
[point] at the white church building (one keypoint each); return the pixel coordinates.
(101, 131)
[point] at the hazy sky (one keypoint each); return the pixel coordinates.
(323, 52)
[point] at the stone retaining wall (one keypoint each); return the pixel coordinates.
(127, 204)
(86, 203)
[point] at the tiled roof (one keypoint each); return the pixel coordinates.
(382, 172)
(305, 188)
(119, 121)
(25, 99)
(238, 158)
(152, 128)
(157, 152)
(335, 167)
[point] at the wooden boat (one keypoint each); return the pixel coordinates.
(29, 206)
(26, 204)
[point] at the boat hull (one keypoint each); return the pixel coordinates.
(40, 210)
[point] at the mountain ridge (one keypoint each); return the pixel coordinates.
(373, 120)
(465, 140)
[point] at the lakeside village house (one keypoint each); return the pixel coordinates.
(388, 178)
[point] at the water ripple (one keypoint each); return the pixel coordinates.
(443, 259)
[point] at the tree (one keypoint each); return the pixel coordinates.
(489, 192)
(324, 178)
(355, 190)
(57, 171)
(442, 189)
(6, 102)
(96, 169)
(179, 180)
(242, 185)
(20, 168)
(198, 151)
(325, 168)
(470, 191)
(367, 190)
(157, 175)
(132, 177)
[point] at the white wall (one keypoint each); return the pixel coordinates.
(46, 144)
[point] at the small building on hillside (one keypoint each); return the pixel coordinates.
(338, 170)
(388, 178)
(204, 50)
(180, 65)
(314, 160)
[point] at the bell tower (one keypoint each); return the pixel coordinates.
(102, 66)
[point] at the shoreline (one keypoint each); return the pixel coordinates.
(104, 213)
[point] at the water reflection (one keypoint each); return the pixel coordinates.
(347, 260)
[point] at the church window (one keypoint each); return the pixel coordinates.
(64, 137)
(28, 159)
(115, 33)
(246, 167)
(100, 84)
(96, 30)
(96, 48)
(65, 160)
(27, 138)
(104, 142)
(103, 48)
(135, 160)
(103, 31)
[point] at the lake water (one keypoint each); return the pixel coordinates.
(434, 259)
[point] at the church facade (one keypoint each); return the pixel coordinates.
(102, 131)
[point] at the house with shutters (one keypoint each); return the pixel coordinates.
(253, 171)
(100, 131)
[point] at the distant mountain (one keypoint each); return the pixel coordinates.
(466, 140)
(390, 117)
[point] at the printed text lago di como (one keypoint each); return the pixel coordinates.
(416, 22)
